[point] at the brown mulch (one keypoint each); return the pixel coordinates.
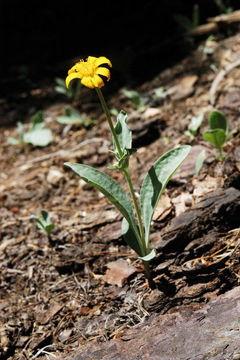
(56, 295)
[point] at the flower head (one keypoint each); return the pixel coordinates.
(90, 71)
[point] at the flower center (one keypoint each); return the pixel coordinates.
(87, 69)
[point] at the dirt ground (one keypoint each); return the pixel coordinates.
(84, 284)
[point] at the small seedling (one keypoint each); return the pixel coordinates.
(194, 126)
(137, 100)
(73, 117)
(44, 222)
(37, 134)
(189, 23)
(208, 47)
(217, 134)
(224, 6)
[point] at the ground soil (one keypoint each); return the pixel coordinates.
(56, 293)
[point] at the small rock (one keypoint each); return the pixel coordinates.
(54, 176)
(118, 272)
(155, 301)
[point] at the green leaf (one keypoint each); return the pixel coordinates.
(130, 237)
(13, 141)
(217, 120)
(216, 137)
(73, 117)
(39, 137)
(44, 221)
(195, 123)
(156, 181)
(37, 121)
(149, 256)
(199, 161)
(123, 132)
(110, 188)
(132, 95)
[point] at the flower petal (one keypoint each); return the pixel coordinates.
(103, 60)
(70, 77)
(87, 81)
(91, 59)
(97, 81)
(73, 69)
(103, 71)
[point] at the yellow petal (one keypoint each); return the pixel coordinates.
(87, 81)
(103, 71)
(91, 59)
(70, 77)
(103, 60)
(73, 69)
(97, 81)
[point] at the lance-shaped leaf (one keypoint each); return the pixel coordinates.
(130, 237)
(110, 188)
(156, 181)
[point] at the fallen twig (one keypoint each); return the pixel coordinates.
(219, 78)
(65, 152)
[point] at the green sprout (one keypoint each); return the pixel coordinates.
(44, 222)
(194, 126)
(137, 100)
(137, 211)
(189, 23)
(73, 117)
(224, 6)
(37, 134)
(217, 134)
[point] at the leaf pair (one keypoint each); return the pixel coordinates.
(218, 129)
(44, 221)
(153, 186)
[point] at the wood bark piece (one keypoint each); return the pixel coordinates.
(219, 208)
(211, 332)
(215, 23)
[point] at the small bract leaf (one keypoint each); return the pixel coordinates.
(123, 132)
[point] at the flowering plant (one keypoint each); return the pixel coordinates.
(137, 216)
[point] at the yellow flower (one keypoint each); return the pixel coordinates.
(89, 72)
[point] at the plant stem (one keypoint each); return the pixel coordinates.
(109, 119)
(148, 273)
(220, 151)
(127, 175)
(137, 207)
(125, 171)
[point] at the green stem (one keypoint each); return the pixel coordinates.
(137, 208)
(127, 175)
(220, 151)
(125, 171)
(109, 119)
